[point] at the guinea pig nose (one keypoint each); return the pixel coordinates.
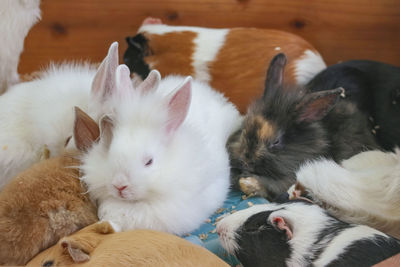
(121, 188)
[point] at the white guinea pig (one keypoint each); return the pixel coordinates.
(161, 162)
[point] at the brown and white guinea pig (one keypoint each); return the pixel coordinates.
(41, 205)
(285, 128)
(232, 61)
(299, 233)
(364, 189)
(99, 245)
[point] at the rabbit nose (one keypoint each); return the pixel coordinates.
(120, 188)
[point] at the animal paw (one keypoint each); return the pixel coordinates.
(115, 226)
(251, 186)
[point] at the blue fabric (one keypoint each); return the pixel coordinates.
(206, 235)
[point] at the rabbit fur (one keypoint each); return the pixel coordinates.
(41, 205)
(375, 88)
(364, 189)
(288, 126)
(161, 161)
(16, 19)
(37, 116)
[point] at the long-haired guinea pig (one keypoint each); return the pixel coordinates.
(299, 234)
(230, 60)
(374, 87)
(364, 189)
(285, 128)
(41, 205)
(98, 245)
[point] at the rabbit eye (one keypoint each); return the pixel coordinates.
(149, 162)
(276, 143)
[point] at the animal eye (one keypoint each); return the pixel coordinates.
(149, 162)
(276, 143)
(48, 263)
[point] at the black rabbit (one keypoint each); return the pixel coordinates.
(287, 127)
(375, 88)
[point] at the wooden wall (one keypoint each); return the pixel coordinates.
(339, 29)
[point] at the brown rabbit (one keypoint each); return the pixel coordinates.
(98, 245)
(43, 204)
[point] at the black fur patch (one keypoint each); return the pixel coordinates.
(134, 55)
(374, 87)
(262, 244)
(367, 252)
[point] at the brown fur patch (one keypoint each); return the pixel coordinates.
(265, 129)
(171, 53)
(300, 188)
(240, 67)
(41, 205)
(130, 248)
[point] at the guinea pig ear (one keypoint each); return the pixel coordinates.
(280, 223)
(274, 80)
(103, 82)
(106, 130)
(178, 105)
(79, 251)
(151, 82)
(316, 105)
(86, 131)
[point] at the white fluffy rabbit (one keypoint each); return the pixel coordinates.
(161, 161)
(16, 19)
(36, 117)
(364, 189)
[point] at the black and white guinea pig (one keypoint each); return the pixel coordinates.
(374, 87)
(299, 233)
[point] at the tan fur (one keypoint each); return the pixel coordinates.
(251, 186)
(265, 130)
(103, 247)
(239, 68)
(173, 56)
(41, 205)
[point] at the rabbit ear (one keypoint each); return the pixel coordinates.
(178, 105)
(151, 82)
(316, 105)
(86, 131)
(274, 80)
(106, 130)
(123, 80)
(103, 81)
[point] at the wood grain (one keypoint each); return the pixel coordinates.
(339, 29)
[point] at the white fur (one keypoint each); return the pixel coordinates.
(207, 43)
(365, 189)
(306, 223)
(228, 226)
(310, 64)
(339, 243)
(189, 177)
(40, 113)
(16, 19)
